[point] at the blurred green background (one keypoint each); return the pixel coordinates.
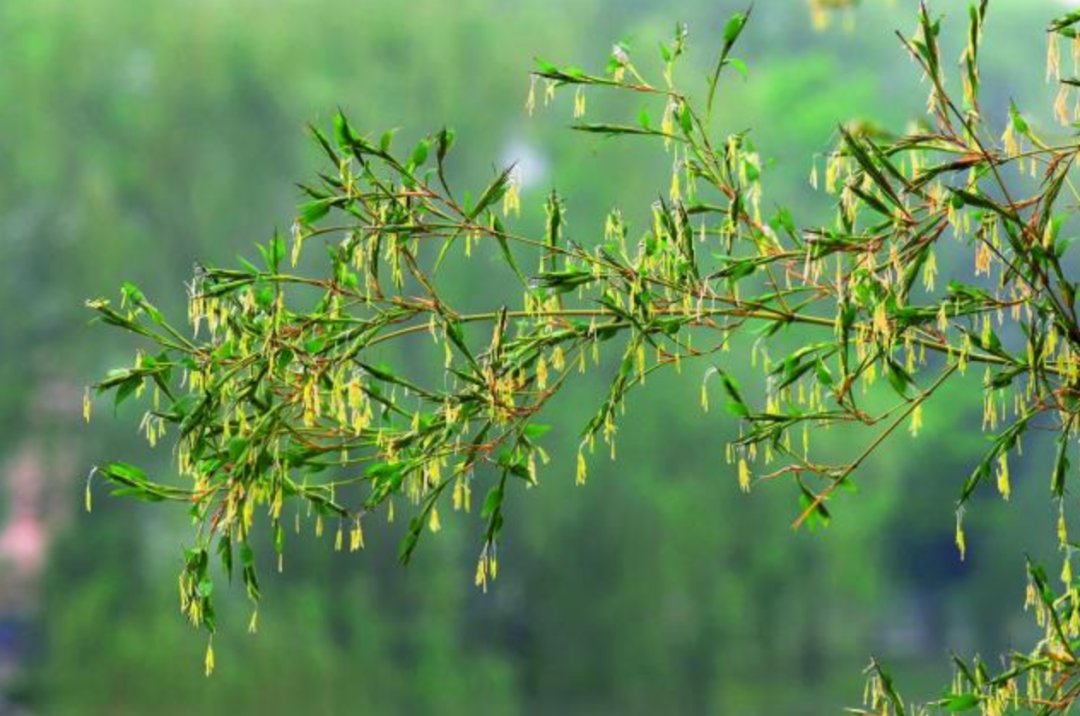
(137, 138)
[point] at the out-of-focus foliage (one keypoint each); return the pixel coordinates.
(141, 142)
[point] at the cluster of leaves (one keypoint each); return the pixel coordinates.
(286, 399)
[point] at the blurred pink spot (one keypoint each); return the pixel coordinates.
(24, 539)
(23, 543)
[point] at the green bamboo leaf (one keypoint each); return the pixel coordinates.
(732, 30)
(612, 130)
(1065, 21)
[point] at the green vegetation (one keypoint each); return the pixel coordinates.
(311, 392)
(139, 139)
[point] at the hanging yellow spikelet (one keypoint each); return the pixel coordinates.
(582, 468)
(579, 103)
(1003, 475)
(1053, 57)
(916, 421)
(210, 657)
(961, 543)
(744, 475)
(356, 537)
(530, 101)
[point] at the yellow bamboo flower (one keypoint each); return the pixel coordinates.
(209, 663)
(961, 543)
(530, 101)
(744, 475)
(1003, 475)
(916, 420)
(579, 102)
(1053, 57)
